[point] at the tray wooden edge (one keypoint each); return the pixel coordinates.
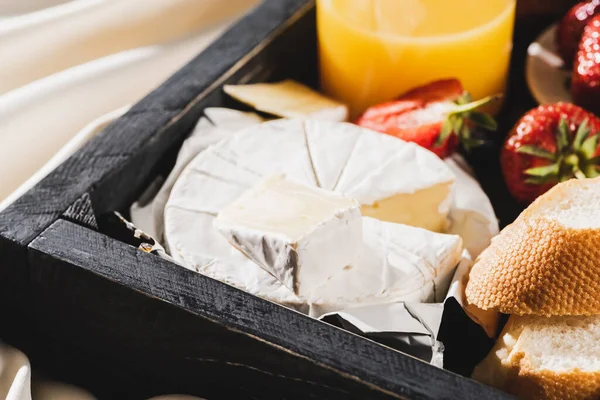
(385, 369)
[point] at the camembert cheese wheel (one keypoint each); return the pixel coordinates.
(394, 181)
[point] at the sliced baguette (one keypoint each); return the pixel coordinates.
(548, 261)
(545, 358)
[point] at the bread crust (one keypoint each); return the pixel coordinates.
(538, 266)
(575, 385)
(524, 382)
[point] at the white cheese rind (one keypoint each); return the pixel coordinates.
(393, 166)
(411, 186)
(203, 249)
(218, 124)
(399, 263)
(320, 140)
(300, 234)
(274, 147)
(380, 171)
(298, 149)
(471, 213)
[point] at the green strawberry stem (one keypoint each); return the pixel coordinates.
(573, 158)
(473, 105)
(465, 111)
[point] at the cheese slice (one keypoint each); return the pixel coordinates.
(289, 99)
(406, 184)
(302, 235)
(375, 169)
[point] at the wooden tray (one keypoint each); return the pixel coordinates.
(126, 324)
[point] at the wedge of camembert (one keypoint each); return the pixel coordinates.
(301, 234)
(398, 263)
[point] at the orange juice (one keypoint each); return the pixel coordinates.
(374, 50)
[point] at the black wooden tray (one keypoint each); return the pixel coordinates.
(127, 324)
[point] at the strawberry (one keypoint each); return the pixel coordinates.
(550, 144)
(570, 29)
(436, 116)
(585, 78)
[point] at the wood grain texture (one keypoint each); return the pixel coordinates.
(243, 343)
(82, 212)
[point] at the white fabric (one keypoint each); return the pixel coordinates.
(18, 7)
(82, 137)
(15, 374)
(37, 119)
(48, 41)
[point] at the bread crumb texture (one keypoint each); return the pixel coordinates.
(546, 358)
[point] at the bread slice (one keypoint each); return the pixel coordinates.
(545, 358)
(547, 262)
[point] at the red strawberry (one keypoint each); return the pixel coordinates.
(550, 144)
(435, 116)
(585, 79)
(571, 28)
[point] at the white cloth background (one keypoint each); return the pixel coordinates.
(68, 67)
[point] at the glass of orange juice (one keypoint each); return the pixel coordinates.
(374, 50)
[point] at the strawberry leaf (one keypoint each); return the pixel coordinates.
(571, 160)
(468, 107)
(465, 98)
(565, 177)
(589, 146)
(581, 135)
(469, 143)
(536, 151)
(445, 132)
(540, 180)
(591, 171)
(483, 120)
(562, 134)
(578, 173)
(594, 160)
(465, 132)
(544, 171)
(457, 124)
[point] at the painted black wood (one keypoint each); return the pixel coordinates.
(112, 168)
(82, 212)
(15, 303)
(229, 344)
